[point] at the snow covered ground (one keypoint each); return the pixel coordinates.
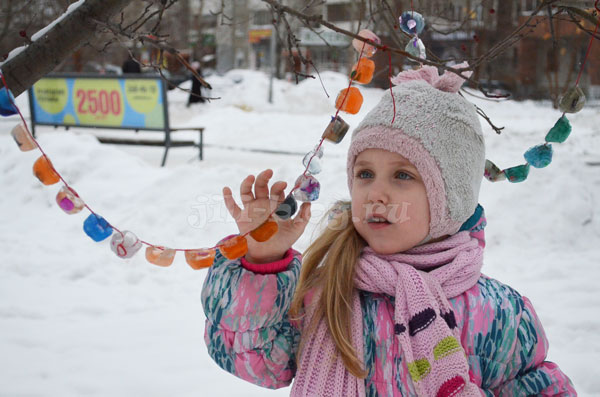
(75, 320)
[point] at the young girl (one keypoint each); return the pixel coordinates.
(390, 299)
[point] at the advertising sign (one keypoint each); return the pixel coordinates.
(93, 101)
(256, 35)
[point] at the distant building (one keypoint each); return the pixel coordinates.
(457, 30)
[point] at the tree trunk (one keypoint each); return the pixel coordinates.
(44, 54)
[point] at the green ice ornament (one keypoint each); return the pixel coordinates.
(560, 132)
(539, 156)
(572, 101)
(518, 173)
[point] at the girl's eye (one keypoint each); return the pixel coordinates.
(363, 174)
(367, 174)
(404, 175)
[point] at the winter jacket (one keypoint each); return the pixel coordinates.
(248, 333)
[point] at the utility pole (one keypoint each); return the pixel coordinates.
(224, 38)
(272, 61)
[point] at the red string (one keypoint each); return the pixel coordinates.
(390, 79)
(304, 174)
(587, 53)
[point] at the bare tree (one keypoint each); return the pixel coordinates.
(82, 26)
(42, 55)
(382, 13)
(147, 25)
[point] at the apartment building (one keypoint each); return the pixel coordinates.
(543, 61)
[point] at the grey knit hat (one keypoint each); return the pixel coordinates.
(439, 132)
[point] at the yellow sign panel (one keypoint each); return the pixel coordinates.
(98, 102)
(254, 36)
(52, 95)
(142, 95)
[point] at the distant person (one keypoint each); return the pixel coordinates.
(196, 94)
(131, 66)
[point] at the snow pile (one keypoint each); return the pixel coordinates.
(75, 319)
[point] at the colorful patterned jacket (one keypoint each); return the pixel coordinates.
(248, 333)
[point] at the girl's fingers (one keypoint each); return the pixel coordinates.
(301, 220)
(277, 194)
(261, 187)
(232, 207)
(246, 190)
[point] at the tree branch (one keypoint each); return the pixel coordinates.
(44, 54)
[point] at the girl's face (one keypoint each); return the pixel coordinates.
(388, 187)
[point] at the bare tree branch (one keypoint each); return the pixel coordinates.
(583, 14)
(307, 19)
(42, 56)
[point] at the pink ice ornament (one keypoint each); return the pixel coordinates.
(66, 205)
(448, 81)
(366, 49)
(69, 201)
(308, 188)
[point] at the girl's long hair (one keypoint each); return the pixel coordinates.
(328, 265)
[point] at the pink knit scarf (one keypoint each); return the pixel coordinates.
(422, 280)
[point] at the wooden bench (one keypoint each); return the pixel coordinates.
(94, 97)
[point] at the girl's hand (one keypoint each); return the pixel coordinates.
(257, 207)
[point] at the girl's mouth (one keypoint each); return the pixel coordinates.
(376, 226)
(379, 224)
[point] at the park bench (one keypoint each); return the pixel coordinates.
(126, 102)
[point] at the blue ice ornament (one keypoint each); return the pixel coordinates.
(6, 102)
(97, 227)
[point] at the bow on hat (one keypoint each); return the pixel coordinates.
(448, 81)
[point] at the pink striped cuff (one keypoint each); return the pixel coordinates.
(272, 267)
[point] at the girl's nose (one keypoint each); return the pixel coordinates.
(378, 192)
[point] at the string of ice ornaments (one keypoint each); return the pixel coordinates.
(126, 244)
(538, 156)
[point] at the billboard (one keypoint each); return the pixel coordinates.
(95, 101)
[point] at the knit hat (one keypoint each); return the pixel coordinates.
(439, 132)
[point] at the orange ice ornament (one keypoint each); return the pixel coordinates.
(200, 259)
(44, 171)
(349, 100)
(160, 256)
(362, 71)
(234, 247)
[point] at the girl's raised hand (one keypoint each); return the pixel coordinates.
(256, 209)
